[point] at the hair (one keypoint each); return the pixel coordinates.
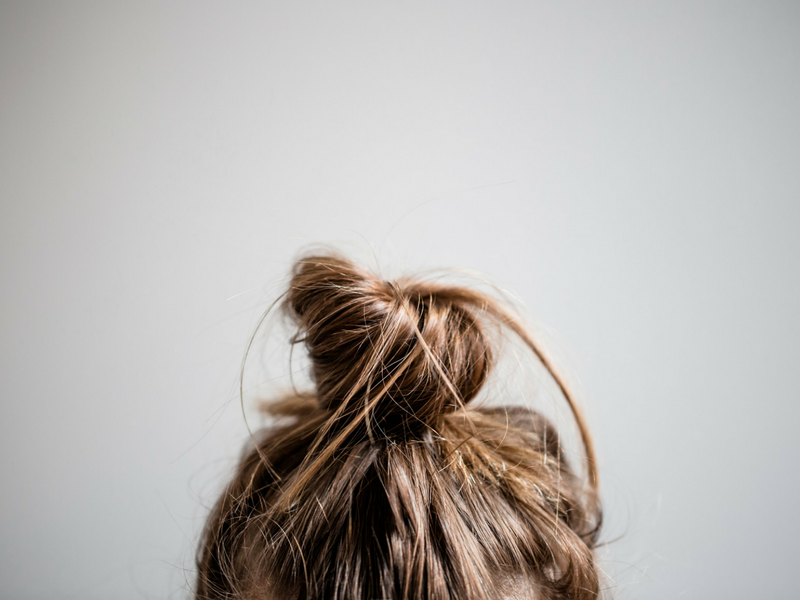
(386, 483)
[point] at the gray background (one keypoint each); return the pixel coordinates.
(630, 171)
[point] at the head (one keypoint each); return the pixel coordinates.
(387, 483)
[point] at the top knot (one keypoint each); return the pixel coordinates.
(400, 353)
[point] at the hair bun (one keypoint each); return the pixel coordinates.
(401, 353)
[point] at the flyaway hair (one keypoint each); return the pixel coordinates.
(387, 484)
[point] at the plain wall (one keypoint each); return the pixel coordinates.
(631, 171)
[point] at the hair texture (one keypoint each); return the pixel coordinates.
(386, 484)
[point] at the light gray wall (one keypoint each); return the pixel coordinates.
(630, 170)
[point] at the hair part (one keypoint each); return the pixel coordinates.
(387, 484)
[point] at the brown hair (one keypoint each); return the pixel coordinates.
(387, 484)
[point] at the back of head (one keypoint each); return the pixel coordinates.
(387, 484)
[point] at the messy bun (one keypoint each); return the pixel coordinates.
(388, 484)
(409, 351)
